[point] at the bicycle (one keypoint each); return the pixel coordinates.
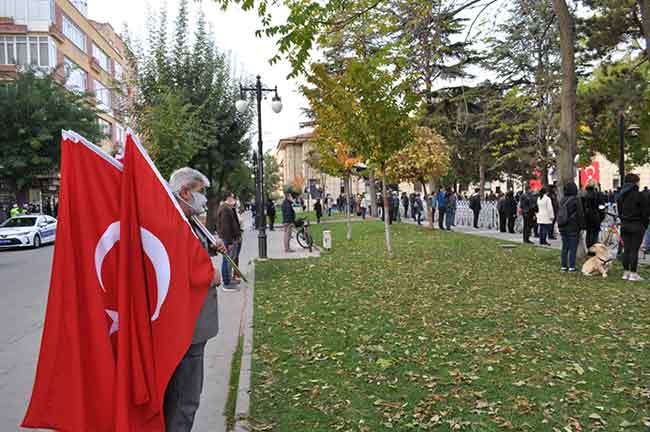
(303, 236)
(611, 235)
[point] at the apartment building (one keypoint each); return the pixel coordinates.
(88, 56)
(292, 155)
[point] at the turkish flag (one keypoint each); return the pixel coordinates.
(591, 172)
(74, 385)
(160, 293)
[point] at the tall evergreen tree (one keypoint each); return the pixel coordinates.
(181, 55)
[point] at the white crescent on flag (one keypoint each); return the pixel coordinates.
(155, 251)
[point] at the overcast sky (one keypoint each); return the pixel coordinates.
(235, 30)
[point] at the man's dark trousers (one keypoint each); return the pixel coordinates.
(529, 221)
(502, 222)
(184, 390)
(441, 216)
(477, 212)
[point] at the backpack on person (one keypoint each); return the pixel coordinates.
(563, 215)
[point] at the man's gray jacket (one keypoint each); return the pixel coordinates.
(207, 324)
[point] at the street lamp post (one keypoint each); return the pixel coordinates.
(242, 106)
(633, 131)
(621, 146)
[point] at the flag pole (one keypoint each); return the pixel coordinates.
(213, 240)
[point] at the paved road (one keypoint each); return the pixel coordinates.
(24, 282)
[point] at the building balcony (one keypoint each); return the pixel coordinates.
(94, 65)
(8, 71)
(57, 34)
(9, 26)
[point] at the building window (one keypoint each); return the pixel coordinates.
(76, 78)
(119, 71)
(105, 128)
(101, 57)
(103, 96)
(27, 50)
(74, 33)
(120, 134)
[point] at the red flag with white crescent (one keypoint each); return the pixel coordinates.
(75, 377)
(161, 294)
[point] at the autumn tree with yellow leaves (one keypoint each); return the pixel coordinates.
(336, 159)
(425, 159)
(369, 110)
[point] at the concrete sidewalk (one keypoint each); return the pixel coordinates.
(233, 315)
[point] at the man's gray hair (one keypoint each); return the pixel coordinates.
(187, 177)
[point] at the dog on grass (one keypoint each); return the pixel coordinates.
(600, 263)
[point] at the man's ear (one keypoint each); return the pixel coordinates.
(185, 194)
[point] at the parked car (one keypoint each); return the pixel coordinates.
(27, 231)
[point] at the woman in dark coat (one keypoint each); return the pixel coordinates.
(633, 211)
(570, 221)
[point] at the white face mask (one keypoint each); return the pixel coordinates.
(198, 204)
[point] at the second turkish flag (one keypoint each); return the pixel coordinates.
(160, 292)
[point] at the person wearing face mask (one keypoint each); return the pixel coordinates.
(633, 211)
(230, 231)
(183, 392)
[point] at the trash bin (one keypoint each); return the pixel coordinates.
(327, 239)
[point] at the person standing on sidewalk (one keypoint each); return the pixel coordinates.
(405, 204)
(230, 231)
(236, 276)
(183, 393)
(593, 215)
(528, 208)
(451, 201)
(417, 208)
(475, 205)
(364, 206)
(288, 219)
(510, 211)
(442, 208)
(501, 210)
(318, 207)
(433, 202)
(570, 220)
(552, 194)
(633, 210)
(545, 216)
(270, 212)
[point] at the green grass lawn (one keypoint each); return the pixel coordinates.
(456, 333)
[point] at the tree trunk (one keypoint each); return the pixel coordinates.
(389, 240)
(481, 176)
(566, 142)
(348, 186)
(373, 195)
(645, 23)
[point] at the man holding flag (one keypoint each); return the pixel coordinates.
(184, 389)
(132, 299)
(169, 308)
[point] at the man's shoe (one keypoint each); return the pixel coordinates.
(572, 270)
(230, 288)
(563, 269)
